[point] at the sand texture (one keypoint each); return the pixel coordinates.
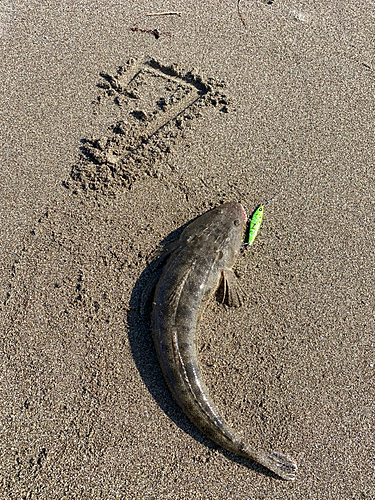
(118, 129)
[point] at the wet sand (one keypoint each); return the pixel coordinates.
(112, 140)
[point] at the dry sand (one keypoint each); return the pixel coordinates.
(94, 178)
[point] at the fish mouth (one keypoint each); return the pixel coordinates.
(236, 210)
(243, 212)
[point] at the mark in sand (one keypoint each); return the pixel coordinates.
(155, 103)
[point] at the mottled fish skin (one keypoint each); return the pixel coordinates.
(202, 257)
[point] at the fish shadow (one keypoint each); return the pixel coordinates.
(145, 358)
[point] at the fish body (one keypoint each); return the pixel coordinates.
(203, 257)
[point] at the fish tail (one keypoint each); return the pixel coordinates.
(280, 464)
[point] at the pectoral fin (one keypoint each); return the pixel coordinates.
(231, 293)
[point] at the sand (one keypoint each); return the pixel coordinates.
(112, 140)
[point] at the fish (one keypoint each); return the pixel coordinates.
(198, 264)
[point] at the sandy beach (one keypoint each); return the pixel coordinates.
(117, 129)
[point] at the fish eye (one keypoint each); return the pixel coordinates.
(237, 222)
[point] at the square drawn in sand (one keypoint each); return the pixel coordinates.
(153, 104)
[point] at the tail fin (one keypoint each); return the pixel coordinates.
(280, 464)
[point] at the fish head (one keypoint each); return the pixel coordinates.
(218, 231)
(231, 218)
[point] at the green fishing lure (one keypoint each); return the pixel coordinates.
(255, 222)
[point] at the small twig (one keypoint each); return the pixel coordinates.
(239, 13)
(164, 14)
(156, 32)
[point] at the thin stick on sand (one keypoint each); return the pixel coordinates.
(239, 13)
(164, 14)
